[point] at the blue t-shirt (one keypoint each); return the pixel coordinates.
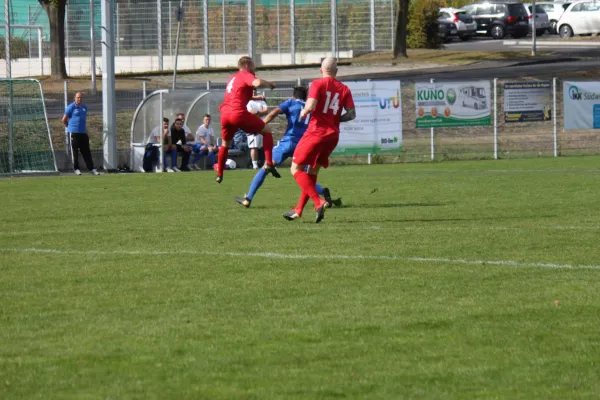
(295, 126)
(77, 118)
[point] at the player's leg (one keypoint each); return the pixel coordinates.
(280, 154)
(75, 150)
(251, 123)
(174, 158)
(227, 132)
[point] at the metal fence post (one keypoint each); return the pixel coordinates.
(223, 25)
(109, 99)
(334, 43)
(41, 51)
(170, 34)
(92, 48)
(206, 45)
(66, 37)
(432, 135)
(393, 23)
(29, 36)
(495, 118)
(251, 29)
(66, 103)
(278, 30)
(372, 25)
(159, 30)
(292, 32)
(117, 35)
(554, 86)
(9, 75)
(143, 89)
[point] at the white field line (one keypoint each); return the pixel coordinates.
(289, 228)
(295, 257)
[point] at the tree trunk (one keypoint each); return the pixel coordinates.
(401, 24)
(56, 18)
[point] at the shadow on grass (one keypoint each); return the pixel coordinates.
(395, 205)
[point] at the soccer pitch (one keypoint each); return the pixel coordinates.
(442, 280)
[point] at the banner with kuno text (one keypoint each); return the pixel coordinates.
(448, 104)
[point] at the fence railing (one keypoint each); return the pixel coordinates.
(145, 33)
(500, 139)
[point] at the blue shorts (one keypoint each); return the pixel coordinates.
(283, 151)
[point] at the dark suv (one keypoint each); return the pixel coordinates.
(500, 18)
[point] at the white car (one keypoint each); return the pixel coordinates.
(465, 26)
(542, 22)
(554, 11)
(580, 18)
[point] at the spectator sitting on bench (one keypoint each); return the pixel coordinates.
(188, 131)
(178, 145)
(203, 143)
(166, 141)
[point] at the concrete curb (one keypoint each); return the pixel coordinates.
(543, 43)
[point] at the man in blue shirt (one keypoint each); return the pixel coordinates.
(294, 131)
(75, 121)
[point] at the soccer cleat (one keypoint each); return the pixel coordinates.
(77, 172)
(291, 215)
(331, 202)
(243, 201)
(337, 202)
(175, 169)
(170, 170)
(219, 179)
(321, 212)
(95, 172)
(271, 169)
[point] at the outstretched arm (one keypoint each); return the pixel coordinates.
(349, 115)
(272, 115)
(263, 83)
(310, 105)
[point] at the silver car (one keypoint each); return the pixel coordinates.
(465, 26)
(542, 22)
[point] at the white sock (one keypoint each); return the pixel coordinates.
(255, 164)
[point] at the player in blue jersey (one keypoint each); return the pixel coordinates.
(296, 127)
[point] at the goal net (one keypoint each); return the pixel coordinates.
(25, 143)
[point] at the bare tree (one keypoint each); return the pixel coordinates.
(401, 32)
(56, 17)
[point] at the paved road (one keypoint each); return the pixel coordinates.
(544, 43)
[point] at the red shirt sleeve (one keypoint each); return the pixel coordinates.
(248, 78)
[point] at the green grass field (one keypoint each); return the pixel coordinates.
(448, 280)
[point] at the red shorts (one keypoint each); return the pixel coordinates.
(315, 150)
(244, 120)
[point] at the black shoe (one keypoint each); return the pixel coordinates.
(219, 179)
(271, 169)
(245, 201)
(186, 168)
(291, 215)
(327, 197)
(337, 202)
(321, 213)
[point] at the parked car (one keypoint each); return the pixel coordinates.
(465, 26)
(542, 22)
(580, 18)
(500, 18)
(554, 11)
(446, 30)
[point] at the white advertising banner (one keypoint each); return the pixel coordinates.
(448, 104)
(581, 102)
(378, 124)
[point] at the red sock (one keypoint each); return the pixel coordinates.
(306, 184)
(223, 152)
(301, 203)
(268, 147)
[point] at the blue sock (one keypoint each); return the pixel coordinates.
(173, 158)
(319, 190)
(211, 157)
(258, 180)
(165, 160)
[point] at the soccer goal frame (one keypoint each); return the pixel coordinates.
(17, 141)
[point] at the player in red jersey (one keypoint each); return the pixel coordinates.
(235, 116)
(327, 97)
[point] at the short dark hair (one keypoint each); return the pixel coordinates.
(300, 92)
(207, 116)
(244, 61)
(166, 120)
(178, 120)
